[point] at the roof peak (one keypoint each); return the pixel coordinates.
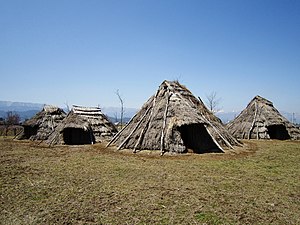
(261, 99)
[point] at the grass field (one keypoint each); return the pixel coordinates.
(94, 185)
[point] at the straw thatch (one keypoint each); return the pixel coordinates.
(40, 126)
(174, 120)
(261, 120)
(83, 125)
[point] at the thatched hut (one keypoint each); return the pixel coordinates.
(83, 125)
(174, 120)
(261, 120)
(40, 126)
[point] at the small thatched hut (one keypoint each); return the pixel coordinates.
(261, 120)
(174, 120)
(40, 126)
(83, 125)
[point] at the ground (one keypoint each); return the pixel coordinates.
(92, 184)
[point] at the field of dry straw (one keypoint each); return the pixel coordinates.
(93, 185)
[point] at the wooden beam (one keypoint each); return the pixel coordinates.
(147, 124)
(164, 124)
(254, 120)
(126, 139)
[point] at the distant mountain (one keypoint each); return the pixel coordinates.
(25, 110)
(19, 106)
(24, 115)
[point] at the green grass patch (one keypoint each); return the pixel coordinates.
(93, 185)
(208, 218)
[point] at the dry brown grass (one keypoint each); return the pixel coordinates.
(93, 185)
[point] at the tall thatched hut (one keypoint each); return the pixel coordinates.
(261, 120)
(174, 120)
(83, 125)
(40, 126)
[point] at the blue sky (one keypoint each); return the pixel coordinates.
(82, 51)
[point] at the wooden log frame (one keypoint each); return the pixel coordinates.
(118, 134)
(127, 138)
(45, 118)
(86, 109)
(21, 131)
(164, 124)
(216, 130)
(148, 124)
(54, 139)
(212, 137)
(257, 129)
(253, 122)
(52, 123)
(224, 139)
(154, 118)
(170, 88)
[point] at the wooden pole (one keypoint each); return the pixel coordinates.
(164, 124)
(228, 144)
(147, 124)
(254, 120)
(118, 134)
(213, 138)
(126, 139)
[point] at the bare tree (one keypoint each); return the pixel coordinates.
(213, 102)
(11, 119)
(122, 107)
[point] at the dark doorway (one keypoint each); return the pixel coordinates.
(78, 136)
(196, 138)
(278, 132)
(29, 131)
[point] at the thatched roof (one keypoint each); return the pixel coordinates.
(88, 119)
(100, 124)
(40, 126)
(74, 120)
(261, 120)
(174, 120)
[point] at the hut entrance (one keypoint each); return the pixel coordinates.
(78, 136)
(30, 131)
(196, 138)
(278, 132)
